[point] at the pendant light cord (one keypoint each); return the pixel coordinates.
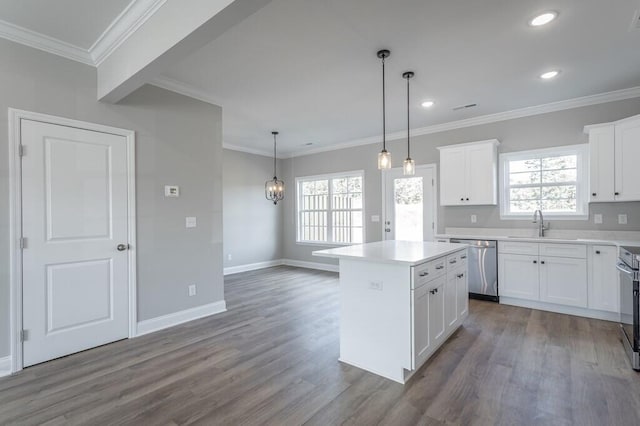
(408, 143)
(384, 112)
(274, 155)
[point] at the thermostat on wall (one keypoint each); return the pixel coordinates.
(171, 191)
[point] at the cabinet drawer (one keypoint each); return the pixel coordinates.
(576, 251)
(514, 247)
(428, 271)
(456, 260)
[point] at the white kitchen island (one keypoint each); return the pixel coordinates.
(400, 301)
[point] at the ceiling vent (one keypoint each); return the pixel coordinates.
(458, 108)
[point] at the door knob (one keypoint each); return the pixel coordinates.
(387, 229)
(122, 247)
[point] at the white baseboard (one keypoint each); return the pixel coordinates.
(311, 265)
(166, 321)
(559, 309)
(5, 366)
(252, 266)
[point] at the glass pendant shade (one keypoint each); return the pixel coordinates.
(274, 188)
(409, 167)
(384, 160)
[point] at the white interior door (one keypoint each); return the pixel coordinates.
(409, 204)
(75, 279)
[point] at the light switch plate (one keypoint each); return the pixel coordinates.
(375, 285)
(192, 290)
(171, 191)
(622, 219)
(375, 218)
(597, 218)
(190, 222)
(474, 218)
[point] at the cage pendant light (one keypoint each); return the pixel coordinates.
(409, 166)
(274, 188)
(384, 157)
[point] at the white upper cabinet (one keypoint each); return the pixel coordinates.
(469, 174)
(613, 171)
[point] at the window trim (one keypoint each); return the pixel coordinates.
(328, 176)
(582, 181)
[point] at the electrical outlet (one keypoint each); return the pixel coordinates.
(375, 285)
(192, 290)
(229, 257)
(375, 218)
(190, 222)
(622, 219)
(597, 218)
(474, 218)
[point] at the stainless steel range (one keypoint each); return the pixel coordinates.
(629, 264)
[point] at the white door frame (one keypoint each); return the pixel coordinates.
(15, 220)
(434, 167)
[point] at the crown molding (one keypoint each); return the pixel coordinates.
(125, 24)
(601, 98)
(39, 41)
(251, 150)
(185, 89)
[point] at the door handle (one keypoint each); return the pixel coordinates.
(122, 247)
(387, 229)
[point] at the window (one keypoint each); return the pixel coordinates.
(552, 180)
(330, 208)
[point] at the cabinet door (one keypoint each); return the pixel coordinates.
(450, 299)
(481, 174)
(563, 281)
(603, 279)
(601, 164)
(436, 313)
(462, 284)
(421, 338)
(518, 276)
(452, 177)
(627, 153)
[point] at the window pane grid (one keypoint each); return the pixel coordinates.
(330, 210)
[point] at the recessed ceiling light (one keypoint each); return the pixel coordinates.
(427, 104)
(543, 19)
(549, 75)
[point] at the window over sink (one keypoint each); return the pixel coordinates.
(553, 180)
(330, 208)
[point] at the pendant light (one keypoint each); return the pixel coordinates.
(409, 166)
(274, 188)
(384, 157)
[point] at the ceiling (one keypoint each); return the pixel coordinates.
(308, 68)
(76, 22)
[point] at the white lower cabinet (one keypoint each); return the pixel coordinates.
(563, 281)
(518, 276)
(439, 305)
(604, 289)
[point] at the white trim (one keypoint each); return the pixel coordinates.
(43, 42)
(165, 321)
(250, 150)
(122, 27)
(15, 218)
(560, 309)
(185, 89)
(311, 265)
(494, 142)
(252, 266)
(5, 366)
(582, 182)
(383, 186)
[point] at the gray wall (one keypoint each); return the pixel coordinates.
(252, 225)
(540, 131)
(179, 142)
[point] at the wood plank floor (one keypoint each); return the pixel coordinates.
(272, 359)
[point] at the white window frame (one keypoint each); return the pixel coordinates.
(329, 177)
(582, 181)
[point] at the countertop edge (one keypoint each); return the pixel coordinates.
(584, 241)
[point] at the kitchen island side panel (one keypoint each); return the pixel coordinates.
(375, 317)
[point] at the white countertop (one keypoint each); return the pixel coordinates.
(632, 243)
(405, 252)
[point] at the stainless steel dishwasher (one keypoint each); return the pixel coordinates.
(483, 269)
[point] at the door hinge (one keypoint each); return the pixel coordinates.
(23, 243)
(24, 335)
(433, 182)
(433, 225)
(20, 150)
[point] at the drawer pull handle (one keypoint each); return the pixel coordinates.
(460, 275)
(424, 274)
(597, 251)
(451, 262)
(440, 267)
(463, 257)
(542, 261)
(535, 261)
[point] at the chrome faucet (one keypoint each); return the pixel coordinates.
(541, 227)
